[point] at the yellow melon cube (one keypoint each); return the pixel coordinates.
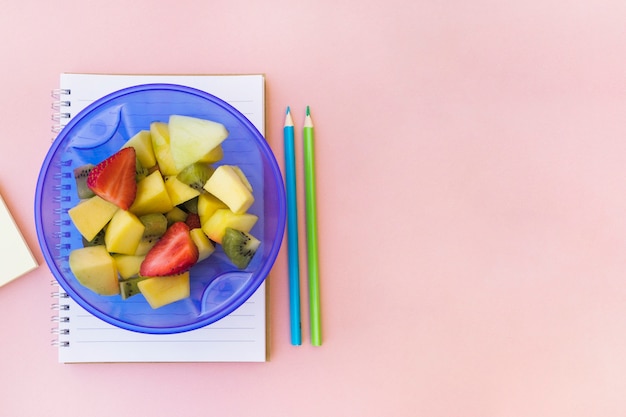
(178, 191)
(207, 205)
(242, 177)
(95, 268)
(226, 184)
(145, 245)
(152, 196)
(128, 265)
(142, 142)
(90, 216)
(160, 291)
(124, 233)
(214, 155)
(175, 215)
(204, 245)
(159, 132)
(216, 225)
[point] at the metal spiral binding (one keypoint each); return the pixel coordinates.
(59, 330)
(59, 106)
(61, 113)
(58, 92)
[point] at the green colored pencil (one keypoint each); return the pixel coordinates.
(311, 228)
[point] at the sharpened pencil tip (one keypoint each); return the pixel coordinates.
(308, 111)
(288, 110)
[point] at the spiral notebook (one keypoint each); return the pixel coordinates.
(81, 337)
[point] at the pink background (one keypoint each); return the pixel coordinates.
(472, 210)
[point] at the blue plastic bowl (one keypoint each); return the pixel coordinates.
(217, 287)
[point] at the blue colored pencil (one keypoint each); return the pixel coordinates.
(292, 231)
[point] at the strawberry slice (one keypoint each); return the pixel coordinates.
(173, 254)
(114, 178)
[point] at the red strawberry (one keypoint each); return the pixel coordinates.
(193, 221)
(173, 254)
(114, 178)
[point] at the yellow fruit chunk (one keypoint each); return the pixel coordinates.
(128, 265)
(205, 247)
(214, 155)
(192, 138)
(152, 196)
(124, 233)
(145, 245)
(142, 142)
(216, 225)
(95, 268)
(207, 205)
(242, 177)
(178, 191)
(159, 132)
(160, 291)
(226, 184)
(90, 216)
(176, 215)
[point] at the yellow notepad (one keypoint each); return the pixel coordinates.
(15, 255)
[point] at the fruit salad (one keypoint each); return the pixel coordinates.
(158, 206)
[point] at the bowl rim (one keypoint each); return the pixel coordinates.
(258, 277)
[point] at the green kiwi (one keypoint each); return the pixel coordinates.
(141, 172)
(129, 287)
(156, 225)
(239, 247)
(196, 175)
(80, 175)
(191, 206)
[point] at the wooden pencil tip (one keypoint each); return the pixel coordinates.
(308, 111)
(288, 110)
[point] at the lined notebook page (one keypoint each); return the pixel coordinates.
(15, 255)
(239, 337)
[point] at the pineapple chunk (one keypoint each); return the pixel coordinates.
(175, 215)
(226, 184)
(160, 291)
(128, 265)
(205, 247)
(178, 191)
(207, 205)
(216, 225)
(152, 196)
(90, 216)
(242, 177)
(95, 268)
(145, 245)
(124, 233)
(160, 135)
(214, 155)
(142, 142)
(192, 138)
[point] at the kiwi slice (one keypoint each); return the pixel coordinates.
(191, 206)
(80, 175)
(141, 172)
(156, 225)
(129, 287)
(239, 247)
(196, 175)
